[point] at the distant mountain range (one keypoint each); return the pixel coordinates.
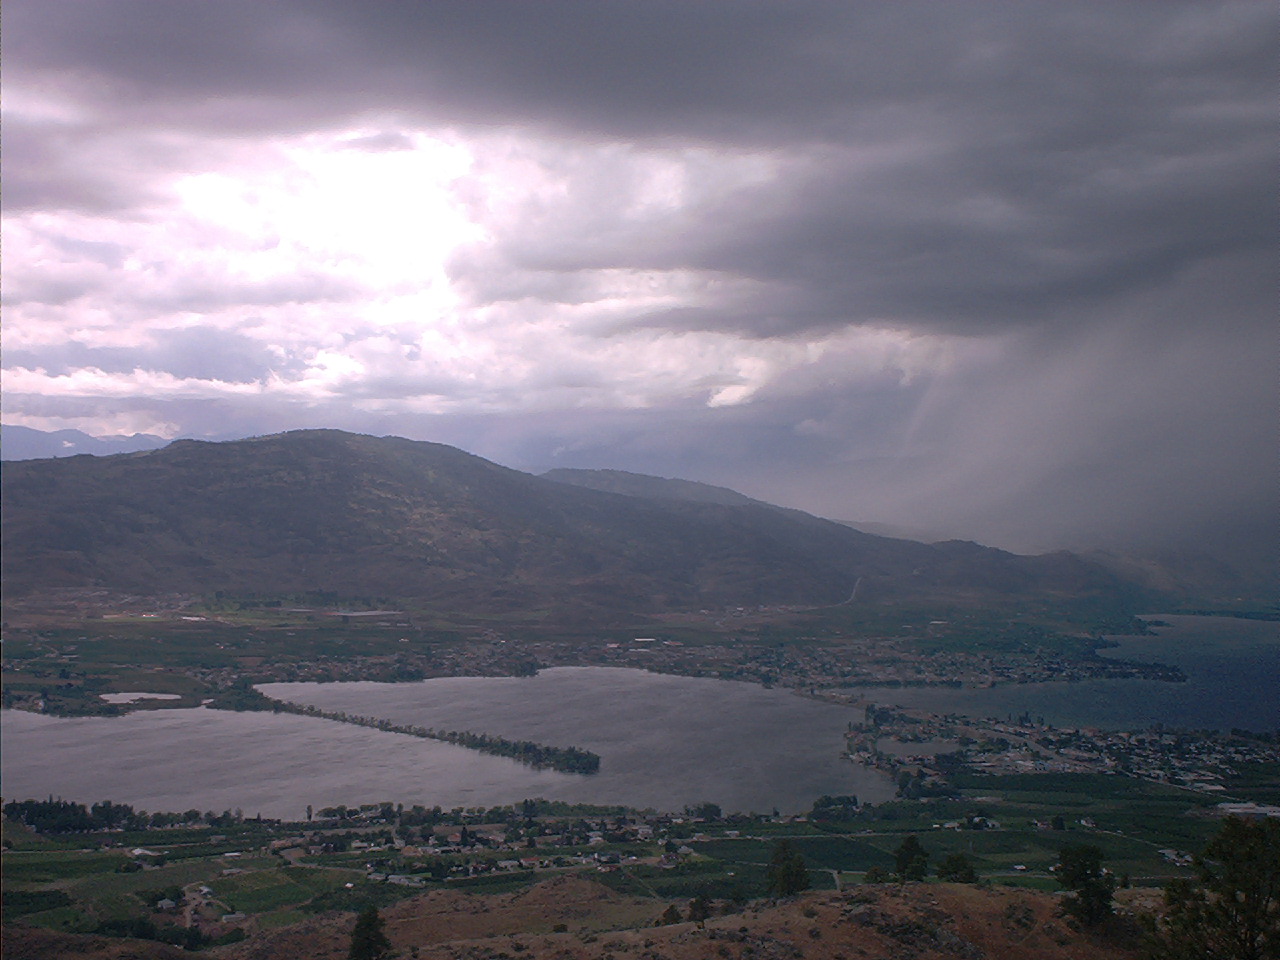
(26, 443)
(323, 510)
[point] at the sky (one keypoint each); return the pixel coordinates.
(1001, 270)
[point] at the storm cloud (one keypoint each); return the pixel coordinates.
(999, 270)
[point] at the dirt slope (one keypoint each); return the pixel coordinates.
(32, 943)
(574, 918)
(919, 922)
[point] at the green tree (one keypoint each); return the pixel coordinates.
(1080, 870)
(787, 873)
(957, 868)
(699, 909)
(1234, 913)
(368, 940)
(669, 916)
(912, 859)
(828, 807)
(705, 811)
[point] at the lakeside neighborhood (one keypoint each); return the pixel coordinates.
(920, 750)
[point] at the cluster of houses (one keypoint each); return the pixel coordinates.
(1199, 760)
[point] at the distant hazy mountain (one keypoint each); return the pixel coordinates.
(894, 530)
(358, 515)
(662, 488)
(25, 443)
(1212, 571)
(1206, 578)
(655, 488)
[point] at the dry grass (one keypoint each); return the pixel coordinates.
(574, 918)
(918, 922)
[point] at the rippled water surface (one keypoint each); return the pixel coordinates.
(664, 742)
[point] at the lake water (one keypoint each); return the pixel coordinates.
(664, 741)
(1232, 666)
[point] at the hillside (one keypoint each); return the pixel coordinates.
(922, 922)
(935, 922)
(358, 516)
(654, 488)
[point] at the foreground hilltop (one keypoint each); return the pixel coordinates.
(571, 918)
(353, 515)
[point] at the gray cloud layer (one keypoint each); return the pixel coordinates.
(1083, 191)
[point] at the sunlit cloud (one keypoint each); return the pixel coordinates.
(379, 263)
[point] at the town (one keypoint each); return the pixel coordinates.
(921, 750)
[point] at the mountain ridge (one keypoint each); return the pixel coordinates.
(333, 511)
(657, 488)
(26, 443)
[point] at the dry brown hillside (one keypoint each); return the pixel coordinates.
(34, 943)
(574, 918)
(918, 922)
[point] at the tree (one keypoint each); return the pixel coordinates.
(834, 808)
(787, 873)
(912, 859)
(957, 868)
(1080, 870)
(669, 916)
(368, 941)
(704, 811)
(1235, 913)
(699, 909)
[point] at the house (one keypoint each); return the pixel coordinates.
(1250, 809)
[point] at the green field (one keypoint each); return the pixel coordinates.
(263, 891)
(51, 866)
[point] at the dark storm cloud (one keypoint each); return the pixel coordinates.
(944, 246)
(617, 68)
(749, 72)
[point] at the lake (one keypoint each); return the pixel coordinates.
(1233, 680)
(664, 741)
